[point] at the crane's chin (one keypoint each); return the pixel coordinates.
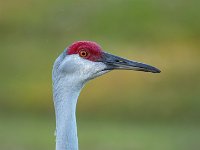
(101, 72)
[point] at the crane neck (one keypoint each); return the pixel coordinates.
(65, 94)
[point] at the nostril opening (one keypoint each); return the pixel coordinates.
(119, 61)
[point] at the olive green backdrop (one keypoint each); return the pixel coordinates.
(120, 110)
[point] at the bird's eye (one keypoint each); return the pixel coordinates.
(83, 53)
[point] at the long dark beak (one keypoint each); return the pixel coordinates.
(114, 62)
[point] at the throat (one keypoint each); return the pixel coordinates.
(65, 100)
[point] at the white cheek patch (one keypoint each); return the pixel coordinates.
(68, 65)
(80, 67)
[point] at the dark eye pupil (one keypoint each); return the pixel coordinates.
(83, 53)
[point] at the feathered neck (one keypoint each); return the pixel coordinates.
(65, 95)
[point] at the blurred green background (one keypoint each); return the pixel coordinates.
(120, 110)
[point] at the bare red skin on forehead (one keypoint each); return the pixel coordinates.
(93, 49)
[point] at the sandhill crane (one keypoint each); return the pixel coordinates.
(79, 63)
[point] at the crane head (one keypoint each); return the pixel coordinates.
(85, 60)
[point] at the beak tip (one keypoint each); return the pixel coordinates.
(156, 71)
